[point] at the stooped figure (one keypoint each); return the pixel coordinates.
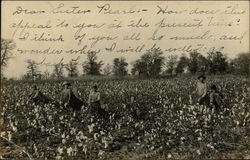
(216, 98)
(69, 99)
(94, 102)
(38, 97)
(201, 91)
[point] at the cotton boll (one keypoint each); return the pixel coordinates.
(9, 135)
(60, 150)
(3, 134)
(198, 152)
(63, 141)
(69, 151)
(85, 149)
(91, 127)
(58, 157)
(96, 135)
(169, 156)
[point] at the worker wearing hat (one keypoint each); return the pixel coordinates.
(37, 97)
(69, 99)
(66, 94)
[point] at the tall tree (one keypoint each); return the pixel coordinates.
(107, 70)
(231, 66)
(7, 47)
(150, 64)
(171, 64)
(71, 67)
(217, 62)
(242, 64)
(197, 63)
(203, 64)
(46, 75)
(92, 66)
(33, 71)
(120, 67)
(193, 62)
(58, 70)
(182, 64)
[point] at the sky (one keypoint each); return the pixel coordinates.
(17, 65)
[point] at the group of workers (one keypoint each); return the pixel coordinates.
(69, 98)
(213, 97)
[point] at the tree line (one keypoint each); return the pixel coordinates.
(151, 64)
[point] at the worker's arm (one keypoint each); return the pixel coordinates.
(89, 99)
(69, 92)
(195, 91)
(98, 96)
(211, 97)
(205, 92)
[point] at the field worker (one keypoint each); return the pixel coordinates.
(216, 98)
(94, 102)
(134, 108)
(201, 91)
(37, 96)
(75, 89)
(68, 98)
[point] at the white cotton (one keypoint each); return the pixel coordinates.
(77, 138)
(96, 135)
(9, 135)
(14, 128)
(198, 152)
(63, 141)
(35, 148)
(79, 144)
(3, 133)
(63, 135)
(91, 127)
(106, 144)
(169, 155)
(69, 151)
(60, 150)
(61, 118)
(58, 157)
(181, 112)
(100, 152)
(84, 149)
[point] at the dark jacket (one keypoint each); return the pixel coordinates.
(38, 97)
(216, 99)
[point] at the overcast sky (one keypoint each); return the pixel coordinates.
(17, 66)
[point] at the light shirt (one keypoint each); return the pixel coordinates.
(201, 88)
(65, 95)
(94, 97)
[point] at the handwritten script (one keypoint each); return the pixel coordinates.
(110, 27)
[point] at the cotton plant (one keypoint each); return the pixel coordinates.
(14, 128)
(58, 157)
(69, 151)
(96, 136)
(85, 149)
(9, 135)
(73, 131)
(91, 127)
(105, 141)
